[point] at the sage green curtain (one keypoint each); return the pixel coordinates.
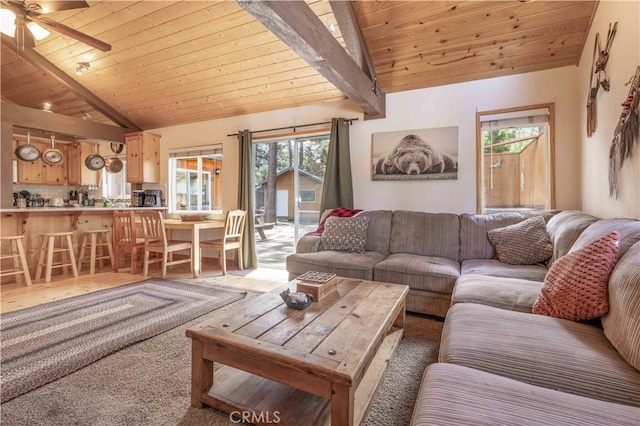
(245, 198)
(338, 185)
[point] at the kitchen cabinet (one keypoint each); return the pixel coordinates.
(40, 172)
(143, 157)
(78, 173)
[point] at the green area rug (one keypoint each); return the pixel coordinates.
(46, 342)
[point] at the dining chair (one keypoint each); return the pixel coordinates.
(125, 238)
(155, 241)
(232, 238)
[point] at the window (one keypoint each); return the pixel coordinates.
(195, 182)
(307, 195)
(115, 185)
(515, 159)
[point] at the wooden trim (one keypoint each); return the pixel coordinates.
(479, 168)
(552, 156)
(297, 25)
(292, 134)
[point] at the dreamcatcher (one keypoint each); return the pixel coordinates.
(626, 134)
(598, 76)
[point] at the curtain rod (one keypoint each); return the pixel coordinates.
(348, 120)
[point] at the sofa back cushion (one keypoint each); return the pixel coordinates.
(629, 230)
(564, 229)
(426, 234)
(379, 231)
(474, 242)
(622, 324)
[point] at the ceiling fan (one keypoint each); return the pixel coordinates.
(31, 25)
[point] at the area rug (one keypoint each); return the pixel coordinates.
(46, 342)
(149, 384)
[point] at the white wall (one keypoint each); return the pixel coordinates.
(456, 105)
(624, 57)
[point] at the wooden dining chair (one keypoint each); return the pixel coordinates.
(155, 241)
(125, 239)
(232, 238)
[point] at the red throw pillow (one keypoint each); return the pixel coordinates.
(337, 212)
(576, 286)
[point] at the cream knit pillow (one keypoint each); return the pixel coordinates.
(523, 243)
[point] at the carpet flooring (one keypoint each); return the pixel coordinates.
(149, 384)
(46, 342)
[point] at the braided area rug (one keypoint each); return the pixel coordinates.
(46, 342)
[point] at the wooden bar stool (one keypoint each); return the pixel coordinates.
(96, 239)
(20, 266)
(48, 249)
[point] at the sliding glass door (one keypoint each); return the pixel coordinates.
(288, 180)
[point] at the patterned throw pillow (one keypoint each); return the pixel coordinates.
(576, 286)
(345, 234)
(523, 243)
(338, 212)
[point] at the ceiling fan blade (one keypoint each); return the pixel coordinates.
(68, 31)
(48, 6)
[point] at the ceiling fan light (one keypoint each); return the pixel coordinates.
(38, 32)
(7, 22)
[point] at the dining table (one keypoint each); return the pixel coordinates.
(194, 226)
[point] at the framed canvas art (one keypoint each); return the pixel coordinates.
(424, 154)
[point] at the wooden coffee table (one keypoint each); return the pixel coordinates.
(317, 366)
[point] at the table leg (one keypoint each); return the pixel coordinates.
(201, 374)
(341, 405)
(195, 258)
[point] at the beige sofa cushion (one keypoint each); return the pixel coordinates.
(426, 234)
(564, 229)
(429, 273)
(629, 230)
(451, 395)
(344, 264)
(622, 323)
(504, 293)
(495, 268)
(543, 351)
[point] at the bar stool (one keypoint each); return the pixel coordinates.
(96, 238)
(48, 249)
(20, 266)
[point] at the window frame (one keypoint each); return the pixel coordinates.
(480, 150)
(198, 153)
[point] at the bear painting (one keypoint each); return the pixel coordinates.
(415, 158)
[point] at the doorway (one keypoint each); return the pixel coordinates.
(288, 181)
(515, 159)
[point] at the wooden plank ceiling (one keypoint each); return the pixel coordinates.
(176, 62)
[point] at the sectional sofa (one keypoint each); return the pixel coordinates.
(499, 363)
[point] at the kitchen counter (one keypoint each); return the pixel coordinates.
(82, 209)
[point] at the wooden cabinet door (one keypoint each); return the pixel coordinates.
(133, 142)
(56, 174)
(32, 171)
(143, 157)
(73, 164)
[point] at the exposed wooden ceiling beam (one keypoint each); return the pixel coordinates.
(80, 91)
(351, 32)
(295, 23)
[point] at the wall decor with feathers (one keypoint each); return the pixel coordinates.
(598, 76)
(626, 134)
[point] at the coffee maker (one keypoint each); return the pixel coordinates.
(137, 198)
(153, 198)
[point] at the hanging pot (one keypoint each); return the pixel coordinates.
(94, 161)
(113, 165)
(27, 152)
(52, 156)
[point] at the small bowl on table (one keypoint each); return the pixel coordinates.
(192, 217)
